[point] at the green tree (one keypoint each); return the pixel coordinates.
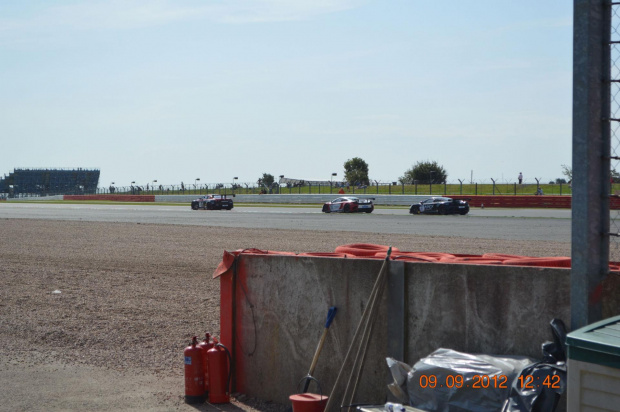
(423, 171)
(356, 171)
(266, 180)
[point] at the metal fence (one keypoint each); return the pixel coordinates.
(435, 189)
(614, 62)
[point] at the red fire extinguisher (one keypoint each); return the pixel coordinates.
(194, 373)
(219, 373)
(206, 344)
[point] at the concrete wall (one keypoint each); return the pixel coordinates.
(483, 309)
(113, 198)
(281, 313)
(280, 304)
(40, 198)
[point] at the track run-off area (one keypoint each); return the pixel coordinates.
(507, 224)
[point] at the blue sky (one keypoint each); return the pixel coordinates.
(177, 90)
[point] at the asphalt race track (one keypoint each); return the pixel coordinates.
(510, 224)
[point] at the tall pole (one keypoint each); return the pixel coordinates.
(431, 182)
(591, 163)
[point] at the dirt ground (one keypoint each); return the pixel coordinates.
(95, 316)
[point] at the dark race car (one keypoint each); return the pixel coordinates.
(348, 204)
(440, 206)
(212, 202)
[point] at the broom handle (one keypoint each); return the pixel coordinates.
(318, 352)
(331, 313)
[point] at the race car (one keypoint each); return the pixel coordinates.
(348, 204)
(440, 206)
(212, 202)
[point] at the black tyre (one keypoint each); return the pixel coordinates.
(347, 208)
(326, 209)
(463, 212)
(194, 205)
(442, 210)
(209, 206)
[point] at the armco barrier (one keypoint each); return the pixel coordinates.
(112, 198)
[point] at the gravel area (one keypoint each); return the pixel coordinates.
(112, 305)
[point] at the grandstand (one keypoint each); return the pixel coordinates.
(47, 182)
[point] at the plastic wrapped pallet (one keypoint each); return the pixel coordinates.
(451, 381)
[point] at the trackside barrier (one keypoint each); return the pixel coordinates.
(272, 306)
(34, 198)
(559, 202)
(506, 201)
(532, 201)
(112, 198)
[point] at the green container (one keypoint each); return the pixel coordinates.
(598, 343)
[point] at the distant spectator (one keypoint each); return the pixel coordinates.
(341, 191)
(539, 191)
(520, 177)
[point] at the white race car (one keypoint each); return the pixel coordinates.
(349, 204)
